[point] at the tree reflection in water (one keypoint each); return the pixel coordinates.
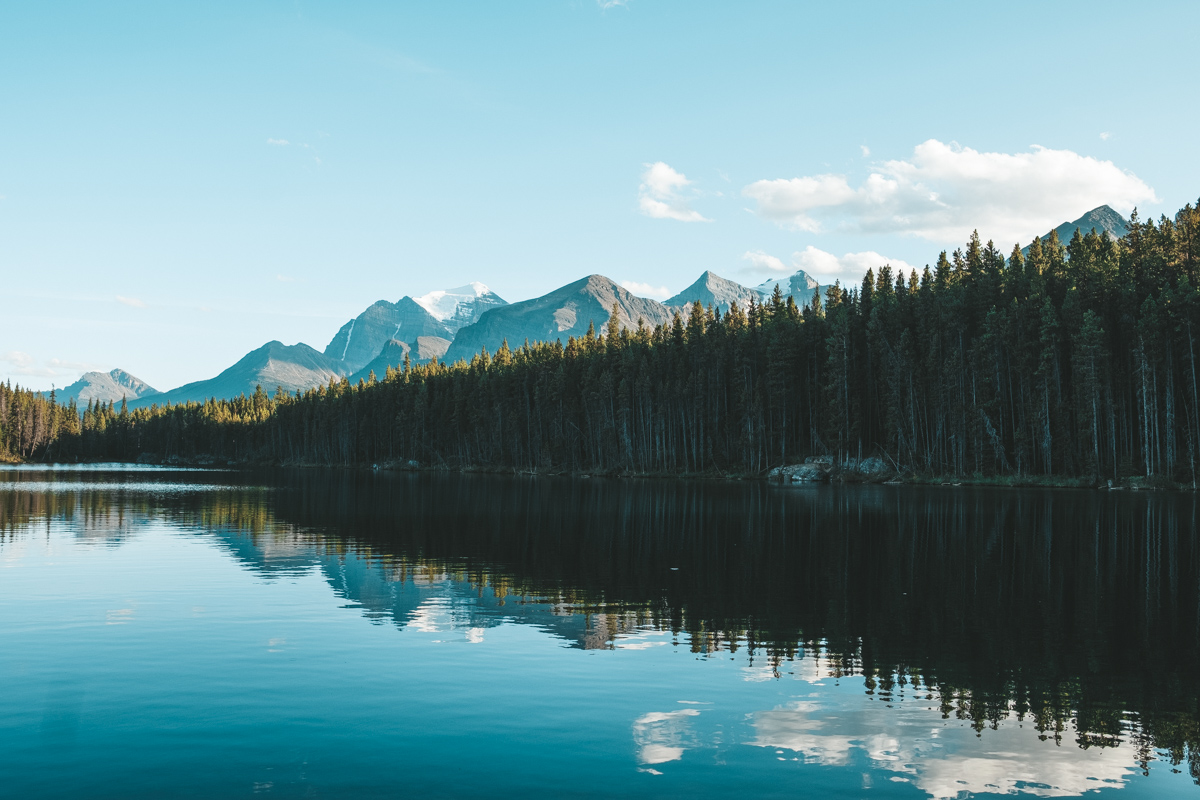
(1074, 611)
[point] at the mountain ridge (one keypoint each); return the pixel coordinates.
(712, 289)
(359, 341)
(1103, 219)
(109, 386)
(274, 365)
(559, 314)
(422, 351)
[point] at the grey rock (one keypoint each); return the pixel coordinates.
(868, 469)
(809, 472)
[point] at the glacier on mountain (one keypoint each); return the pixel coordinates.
(456, 308)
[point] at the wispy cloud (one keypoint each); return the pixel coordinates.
(823, 265)
(75, 366)
(133, 302)
(300, 145)
(17, 358)
(945, 190)
(21, 363)
(646, 289)
(661, 194)
(866, 151)
(607, 4)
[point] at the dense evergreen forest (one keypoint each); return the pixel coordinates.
(1075, 360)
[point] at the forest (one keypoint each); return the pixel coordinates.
(1077, 360)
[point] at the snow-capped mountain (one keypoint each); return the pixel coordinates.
(456, 308)
(799, 286)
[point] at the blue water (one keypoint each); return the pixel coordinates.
(222, 634)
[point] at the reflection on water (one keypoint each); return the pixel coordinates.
(1040, 642)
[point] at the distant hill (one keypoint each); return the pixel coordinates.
(422, 351)
(799, 286)
(712, 289)
(104, 387)
(1103, 219)
(457, 308)
(563, 313)
(359, 341)
(293, 367)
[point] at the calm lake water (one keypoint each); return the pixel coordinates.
(337, 634)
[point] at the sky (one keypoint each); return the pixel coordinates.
(181, 183)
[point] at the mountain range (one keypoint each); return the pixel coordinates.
(291, 367)
(455, 324)
(561, 314)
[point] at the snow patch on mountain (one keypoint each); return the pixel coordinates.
(461, 306)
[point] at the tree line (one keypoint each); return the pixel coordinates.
(1070, 360)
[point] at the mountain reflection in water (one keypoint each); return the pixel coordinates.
(1068, 617)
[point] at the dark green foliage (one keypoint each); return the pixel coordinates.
(35, 427)
(1076, 361)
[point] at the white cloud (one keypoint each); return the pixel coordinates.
(18, 359)
(607, 4)
(764, 262)
(660, 196)
(663, 736)
(789, 201)
(23, 364)
(866, 151)
(646, 289)
(1104, 136)
(130, 301)
(909, 741)
(945, 191)
(823, 265)
(278, 142)
(855, 265)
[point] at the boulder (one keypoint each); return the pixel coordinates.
(869, 469)
(812, 471)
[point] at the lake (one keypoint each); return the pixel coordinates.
(332, 634)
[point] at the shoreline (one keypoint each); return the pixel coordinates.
(776, 475)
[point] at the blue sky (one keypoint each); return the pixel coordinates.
(180, 184)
